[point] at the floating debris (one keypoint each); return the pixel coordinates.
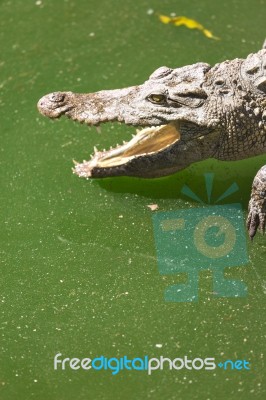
(188, 23)
(150, 11)
(153, 207)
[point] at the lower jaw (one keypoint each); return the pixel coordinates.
(145, 144)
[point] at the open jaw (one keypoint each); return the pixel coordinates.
(148, 143)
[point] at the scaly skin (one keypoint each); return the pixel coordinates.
(257, 204)
(188, 114)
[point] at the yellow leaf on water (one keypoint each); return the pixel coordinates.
(164, 19)
(188, 23)
(209, 35)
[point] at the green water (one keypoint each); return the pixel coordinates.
(79, 274)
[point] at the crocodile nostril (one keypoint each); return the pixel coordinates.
(57, 97)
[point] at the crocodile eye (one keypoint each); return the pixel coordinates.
(157, 98)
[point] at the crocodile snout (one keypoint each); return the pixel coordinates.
(53, 105)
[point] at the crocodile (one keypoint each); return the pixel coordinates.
(186, 115)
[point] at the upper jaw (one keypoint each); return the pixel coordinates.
(100, 107)
(127, 105)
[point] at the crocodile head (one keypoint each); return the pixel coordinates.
(170, 107)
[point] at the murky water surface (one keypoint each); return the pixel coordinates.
(78, 258)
